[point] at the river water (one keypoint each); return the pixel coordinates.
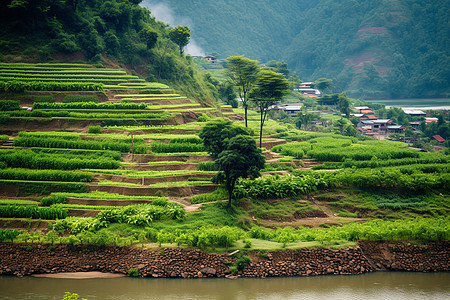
(378, 285)
(423, 103)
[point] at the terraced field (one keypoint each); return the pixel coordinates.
(70, 133)
(133, 146)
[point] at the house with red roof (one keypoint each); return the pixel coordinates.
(438, 138)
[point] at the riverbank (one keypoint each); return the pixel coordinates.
(25, 260)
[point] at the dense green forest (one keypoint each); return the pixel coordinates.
(371, 49)
(115, 33)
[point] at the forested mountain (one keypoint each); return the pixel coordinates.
(115, 32)
(396, 48)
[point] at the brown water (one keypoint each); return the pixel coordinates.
(379, 285)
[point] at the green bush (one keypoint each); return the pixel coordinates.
(208, 166)
(8, 234)
(95, 129)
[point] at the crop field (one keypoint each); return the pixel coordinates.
(93, 129)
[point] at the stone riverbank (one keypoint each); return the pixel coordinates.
(24, 260)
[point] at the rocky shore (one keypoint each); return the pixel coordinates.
(24, 260)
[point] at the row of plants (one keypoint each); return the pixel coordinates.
(8, 105)
(100, 115)
(277, 186)
(32, 212)
(424, 229)
(88, 105)
(124, 145)
(139, 215)
(94, 154)
(73, 76)
(159, 147)
(8, 234)
(142, 214)
(37, 85)
(387, 178)
(78, 98)
(61, 198)
(375, 162)
(340, 149)
(38, 70)
(29, 187)
(44, 175)
(32, 160)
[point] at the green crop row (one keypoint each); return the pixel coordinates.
(111, 118)
(65, 75)
(79, 98)
(33, 160)
(290, 149)
(6, 105)
(384, 178)
(142, 214)
(277, 186)
(35, 85)
(69, 153)
(159, 147)
(61, 197)
(44, 175)
(27, 187)
(425, 229)
(338, 150)
(101, 144)
(33, 212)
(425, 158)
(183, 140)
(88, 105)
(63, 71)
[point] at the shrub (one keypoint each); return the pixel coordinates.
(133, 272)
(95, 129)
(208, 166)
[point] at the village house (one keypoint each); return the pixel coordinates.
(379, 126)
(307, 89)
(291, 109)
(414, 112)
(211, 59)
(438, 138)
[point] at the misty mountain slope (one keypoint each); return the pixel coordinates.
(397, 48)
(255, 28)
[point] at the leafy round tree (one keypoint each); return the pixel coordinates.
(180, 35)
(216, 134)
(149, 36)
(242, 158)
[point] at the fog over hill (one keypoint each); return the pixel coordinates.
(398, 48)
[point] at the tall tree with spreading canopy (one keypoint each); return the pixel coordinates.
(270, 87)
(322, 84)
(180, 35)
(242, 72)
